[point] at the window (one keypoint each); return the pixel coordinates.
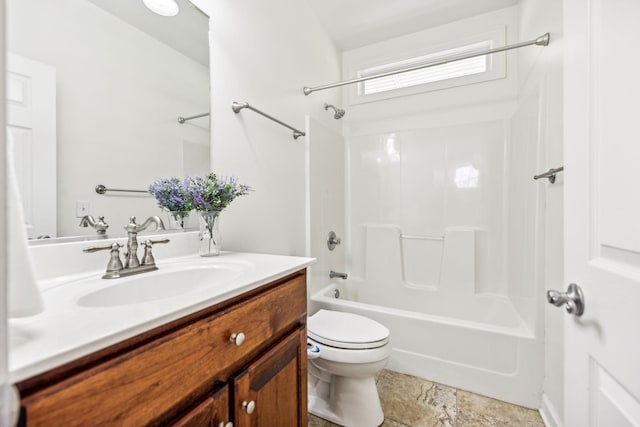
(422, 48)
(451, 70)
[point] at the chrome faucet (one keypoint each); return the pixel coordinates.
(100, 225)
(132, 265)
(131, 256)
(334, 274)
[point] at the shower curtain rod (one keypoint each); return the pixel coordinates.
(237, 107)
(543, 40)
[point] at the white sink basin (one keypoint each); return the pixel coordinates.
(162, 284)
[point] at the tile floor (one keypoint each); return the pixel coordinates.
(413, 402)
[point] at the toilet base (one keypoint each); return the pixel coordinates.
(349, 402)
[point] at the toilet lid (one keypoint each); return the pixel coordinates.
(346, 330)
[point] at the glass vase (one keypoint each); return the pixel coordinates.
(176, 220)
(209, 232)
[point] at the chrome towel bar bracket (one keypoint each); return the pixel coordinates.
(237, 107)
(550, 174)
(181, 119)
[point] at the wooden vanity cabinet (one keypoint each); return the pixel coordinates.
(190, 372)
(273, 385)
(213, 411)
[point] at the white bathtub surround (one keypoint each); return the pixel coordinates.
(428, 182)
(452, 262)
(432, 257)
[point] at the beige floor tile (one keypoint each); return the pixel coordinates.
(415, 402)
(480, 411)
(408, 401)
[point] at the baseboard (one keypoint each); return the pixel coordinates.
(548, 412)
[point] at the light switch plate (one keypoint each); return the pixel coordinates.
(82, 208)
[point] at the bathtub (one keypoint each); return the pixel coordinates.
(469, 341)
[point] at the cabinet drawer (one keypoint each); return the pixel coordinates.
(148, 383)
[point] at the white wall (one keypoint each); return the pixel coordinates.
(104, 65)
(541, 73)
(264, 53)
(4, 377)
(326, 199)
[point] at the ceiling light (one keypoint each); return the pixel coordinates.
(162, 7)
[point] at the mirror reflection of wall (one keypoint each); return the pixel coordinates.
(109, 106)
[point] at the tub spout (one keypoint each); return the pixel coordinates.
(334, 274)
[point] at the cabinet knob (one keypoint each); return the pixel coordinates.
(229, 424)
(249, 407)
(237, 339)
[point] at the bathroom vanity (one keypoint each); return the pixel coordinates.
(234, 354)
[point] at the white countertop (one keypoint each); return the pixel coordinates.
(67, 330)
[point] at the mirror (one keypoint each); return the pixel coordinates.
(94, 92)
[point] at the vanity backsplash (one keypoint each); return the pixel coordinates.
(58, 260)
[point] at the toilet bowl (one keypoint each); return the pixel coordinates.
(345, 352)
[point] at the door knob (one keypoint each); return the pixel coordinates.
(573, 299)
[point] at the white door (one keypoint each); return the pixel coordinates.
(31, 121)
(602, 208)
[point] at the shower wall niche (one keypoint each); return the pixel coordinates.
(428, 207)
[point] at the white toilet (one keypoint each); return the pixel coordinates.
(345, 352)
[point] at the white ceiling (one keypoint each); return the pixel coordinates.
(356, 23)
(187, 32)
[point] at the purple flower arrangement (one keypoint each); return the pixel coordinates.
(171, 195)
(210, 193)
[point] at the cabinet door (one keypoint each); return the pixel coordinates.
(272, 391)
(212, 412)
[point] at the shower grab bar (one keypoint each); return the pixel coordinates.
(181, 119)
(550, 174)
(417, 237)
(543, 40)
(237, 107)
(101, 189)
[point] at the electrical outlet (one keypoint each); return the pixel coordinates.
(82, 208)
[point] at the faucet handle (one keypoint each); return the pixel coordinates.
(154, 242)
(147, 258)
(113, 246)
(114, 262)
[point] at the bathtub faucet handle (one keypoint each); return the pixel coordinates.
(334, 274)
(333, 240)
